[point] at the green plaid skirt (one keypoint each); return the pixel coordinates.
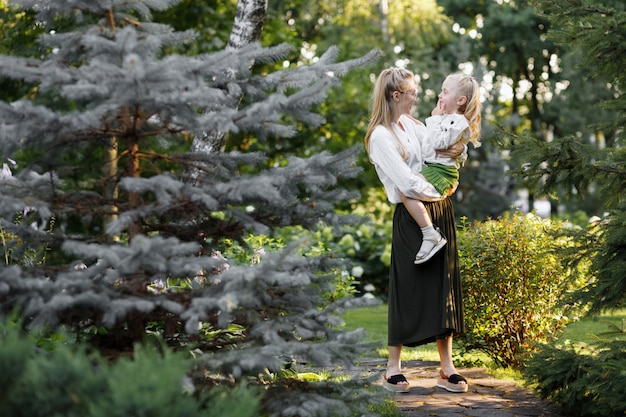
(442, 177)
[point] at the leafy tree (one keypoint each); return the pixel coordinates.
(137, 249)
(510, 37)
(548, 94)
(504, 41)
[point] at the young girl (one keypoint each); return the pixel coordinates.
(456, 118)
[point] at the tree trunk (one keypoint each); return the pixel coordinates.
(247, 28)
(110, 191)
(249, 21)
(384, 21)
(133, 171)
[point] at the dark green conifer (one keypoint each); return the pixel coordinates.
(585, 380)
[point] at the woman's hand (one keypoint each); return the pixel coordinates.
(452, 151)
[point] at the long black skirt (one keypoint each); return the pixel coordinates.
(425, 301)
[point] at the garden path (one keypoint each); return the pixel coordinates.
(486, 397)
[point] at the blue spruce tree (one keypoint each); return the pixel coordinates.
(112, 222)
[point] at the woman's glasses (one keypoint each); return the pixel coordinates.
(411, 92)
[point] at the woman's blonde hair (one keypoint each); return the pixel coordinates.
(465, 85)
(390, 80)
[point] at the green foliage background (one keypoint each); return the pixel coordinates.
(559, 134)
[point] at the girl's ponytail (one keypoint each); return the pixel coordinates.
(467, 86)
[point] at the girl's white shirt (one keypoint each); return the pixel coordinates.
(396, 174)
(442, 132)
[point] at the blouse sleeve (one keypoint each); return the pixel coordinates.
(394, 171)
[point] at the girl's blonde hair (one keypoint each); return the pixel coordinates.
(390, 80)
(465, 85)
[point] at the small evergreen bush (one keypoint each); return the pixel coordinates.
(516, 283)
(584, 381)
(70, 382)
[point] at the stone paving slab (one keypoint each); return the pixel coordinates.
(486, 396)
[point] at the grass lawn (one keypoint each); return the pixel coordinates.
(606, 326)
(374, 321)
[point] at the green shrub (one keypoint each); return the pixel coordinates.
(14, 251)
(583, 381)
(368, 245)
(516, 282)
(14, 357)
(68, 382)
(341, 244)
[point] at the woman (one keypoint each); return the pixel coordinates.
(424, 300)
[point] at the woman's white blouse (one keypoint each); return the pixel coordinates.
(396, 174)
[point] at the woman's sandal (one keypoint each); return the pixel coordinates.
(452, 383)
(393, 383)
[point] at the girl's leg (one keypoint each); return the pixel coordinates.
(432, 240)
(417, 210)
